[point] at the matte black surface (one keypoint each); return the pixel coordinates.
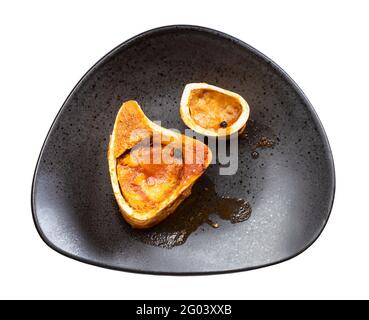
(290, 187)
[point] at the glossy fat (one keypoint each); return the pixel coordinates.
(148, 175)
(210, 109)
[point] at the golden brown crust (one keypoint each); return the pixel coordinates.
(130, 127)
(130, 118)
(213, 110)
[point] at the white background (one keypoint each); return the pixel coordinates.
(45, 47)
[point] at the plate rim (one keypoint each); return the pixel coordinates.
(150, 32)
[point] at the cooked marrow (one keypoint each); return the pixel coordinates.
(213, 111)
(150, 178)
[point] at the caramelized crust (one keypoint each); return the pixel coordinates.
(149, 181)
(148, 175)
(131, 128)
(213, 110)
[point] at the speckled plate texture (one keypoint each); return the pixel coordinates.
(289, 186)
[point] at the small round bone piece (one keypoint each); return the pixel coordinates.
(213, 111)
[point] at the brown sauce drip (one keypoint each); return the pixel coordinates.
(255, 154)
(264, 142)
(204, 206)
(258, 136)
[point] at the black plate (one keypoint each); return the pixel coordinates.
(289, 186)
